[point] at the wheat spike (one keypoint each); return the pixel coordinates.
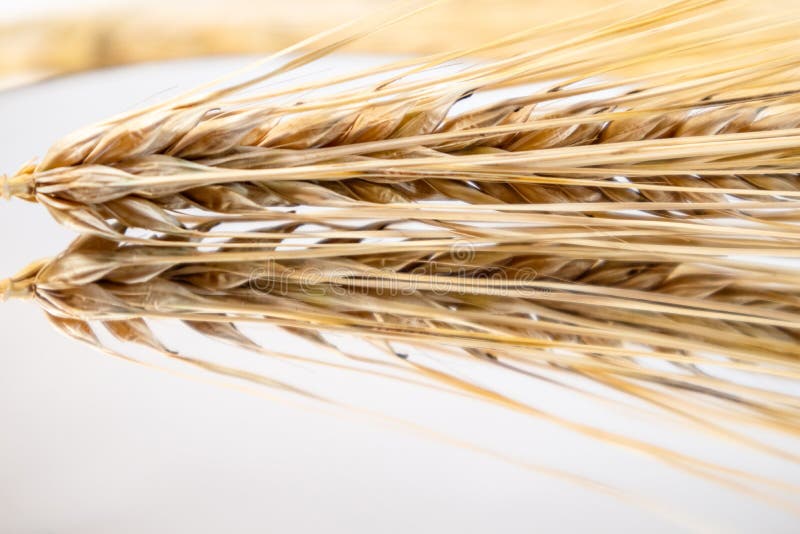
(577, 317)
(685, 141)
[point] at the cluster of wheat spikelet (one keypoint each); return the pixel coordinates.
(610, 214)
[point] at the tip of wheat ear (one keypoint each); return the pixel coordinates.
(12, 289)
(16, 186)
(15, 289)
(21, 285)
(5, 289)
(5, 187)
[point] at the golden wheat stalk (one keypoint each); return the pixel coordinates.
(685, 140)
(613, 213)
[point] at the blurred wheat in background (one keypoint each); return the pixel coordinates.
(74, 36)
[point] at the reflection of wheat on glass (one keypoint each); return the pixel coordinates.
(603, 213)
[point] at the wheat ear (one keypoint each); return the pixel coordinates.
(574, 317)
